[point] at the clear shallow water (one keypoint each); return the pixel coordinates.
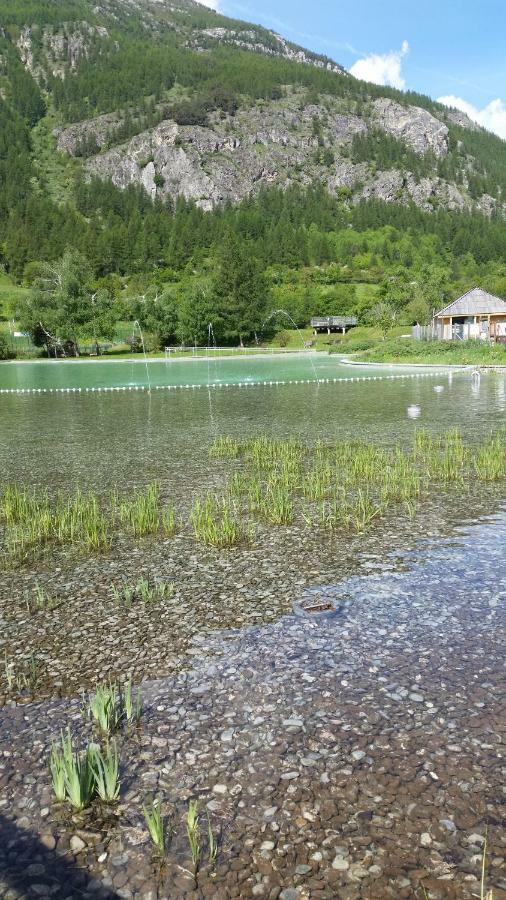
(124, 438)
(107, 374)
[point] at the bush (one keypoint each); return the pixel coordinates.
(6, 351)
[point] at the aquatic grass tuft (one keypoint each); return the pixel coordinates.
(156, 826)
(215, 522)
(277, 505)
(489, 460)
(58, 773)
(105, 768)
(193, 832)
(212, 844)
(132, 706)
(74, 770)
(169, 525)
(143, 590)
(224, 447)
(104, 708)
(142, 513)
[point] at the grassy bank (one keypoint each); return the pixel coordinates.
(438, 352)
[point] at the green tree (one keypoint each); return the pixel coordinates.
(157, 314)
(241, 291)
(197, 310)
(384, 315)
(61, 309)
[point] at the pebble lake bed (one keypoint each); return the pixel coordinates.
(356, 751)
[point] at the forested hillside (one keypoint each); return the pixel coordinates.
(204, 167)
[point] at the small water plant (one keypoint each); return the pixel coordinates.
(104, 708)
(105, 769)
(21, 678)
(490, 460)
(193, 832)
(144, 590)
(277, 504)
(79, 776)
(142, 512)
(33, 520)
(156, 825)
(169, 525)
(44, 600)
(132, 706)
(10, 672)
(72, 772)
(224, 447)
(212, 844)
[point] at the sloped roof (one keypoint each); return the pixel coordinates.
(474, 303)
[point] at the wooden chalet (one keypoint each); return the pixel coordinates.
(477, 314)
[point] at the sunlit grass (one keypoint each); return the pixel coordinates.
(215, 522)
(33, 520)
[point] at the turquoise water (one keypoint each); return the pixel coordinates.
(120, 438)
(112, 374)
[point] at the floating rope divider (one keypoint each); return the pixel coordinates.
(220, 384)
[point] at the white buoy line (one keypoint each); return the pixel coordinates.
(219, 384)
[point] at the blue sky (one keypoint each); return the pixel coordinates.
(444, 48)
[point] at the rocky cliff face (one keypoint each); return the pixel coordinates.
(272, 142)
(59, 49)
(416, 127)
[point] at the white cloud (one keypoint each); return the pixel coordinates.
(212, 4)
(383, 68)
(492, 116)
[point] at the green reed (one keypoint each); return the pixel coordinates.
(79, 776)
(131, 705)
(105, 769)
(142, 513)
(215, 522)
(156, 826)
(193, 833)
(104, 708)
(276, 504)
(350, 484)
(489, 460)
(224, 447)
(33, 520)
(144, 590)
(72, 772)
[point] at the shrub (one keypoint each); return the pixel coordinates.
(6, 351)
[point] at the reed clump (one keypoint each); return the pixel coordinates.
(215, 522)
(80, 776)
(351, 484)
(110, 706)
(142, 513)
(144, 590)
(32, 521)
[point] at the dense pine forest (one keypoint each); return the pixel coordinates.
(175, 266)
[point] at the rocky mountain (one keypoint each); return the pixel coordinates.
(172, 96)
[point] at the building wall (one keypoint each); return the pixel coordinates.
(475, 328)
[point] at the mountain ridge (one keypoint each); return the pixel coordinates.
(215, 109)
